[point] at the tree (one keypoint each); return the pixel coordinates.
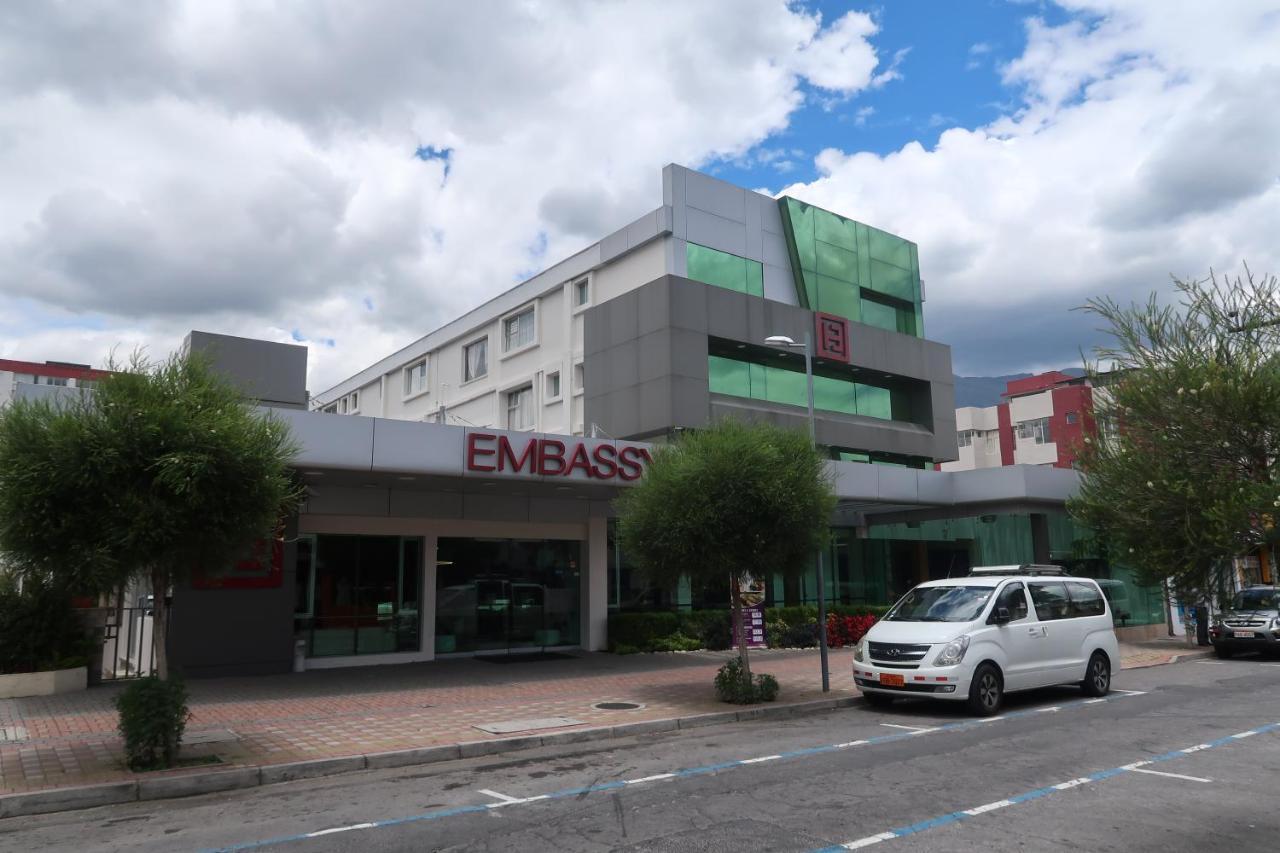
(1183, 472)
(164, 469)
(733, 498)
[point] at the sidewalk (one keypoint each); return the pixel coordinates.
(70, 740)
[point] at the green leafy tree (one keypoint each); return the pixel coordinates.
(1182, 473)
(162, 471)
(730, 499)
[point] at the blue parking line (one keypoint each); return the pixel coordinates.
(684, 773)
(1039, 793)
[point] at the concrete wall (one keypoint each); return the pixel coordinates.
(646, 368)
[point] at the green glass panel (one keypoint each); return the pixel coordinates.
(759, 382)
(787, 387)
(906, 320)
(919, 312)
(728, 376)
(889, 249)
(837, 262)
(864, 255)
(879, 315)
(717, 268)
(830, 228)
(755, 278)
(875, 402)
(850, 456)
(900, 405)
(893, 281)
(834, 395)
(838, 297)
(811, 289)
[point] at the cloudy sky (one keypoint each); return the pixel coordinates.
(353, 174)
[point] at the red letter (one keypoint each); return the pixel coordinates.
(473, 451)
(604, 455)
(629, 467)
(581, 459)
(544, 456)
(506, 454)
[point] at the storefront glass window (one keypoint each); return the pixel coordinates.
(501, 594)
(363, 594)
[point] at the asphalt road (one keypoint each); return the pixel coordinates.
(1053, 772)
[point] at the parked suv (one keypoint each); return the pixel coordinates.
(1001, 629)
(1252, 623)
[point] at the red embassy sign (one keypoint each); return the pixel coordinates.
(551, 457)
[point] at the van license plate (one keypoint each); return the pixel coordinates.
(1247, 635)
(890, 680)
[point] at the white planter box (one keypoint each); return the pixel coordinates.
(47, 683)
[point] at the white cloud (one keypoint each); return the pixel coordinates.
(1146, 144)
(249, 168)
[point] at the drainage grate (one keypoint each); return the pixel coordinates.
(617, 706)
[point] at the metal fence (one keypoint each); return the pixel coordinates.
(128, 642)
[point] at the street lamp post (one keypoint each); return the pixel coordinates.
(807, 346)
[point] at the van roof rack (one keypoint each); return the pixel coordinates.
(1022, 569)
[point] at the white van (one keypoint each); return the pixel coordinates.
(1001, 629)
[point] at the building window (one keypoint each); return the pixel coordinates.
(964, 437)
(518, 331)
(553, 385)
(475, 360)
(1072, 417)
(581, 292)
(776, 383)
(520, 408)
(992, 440)
(579, 379)
(330, 410)
(1036, 430)
(415, 378)
(60, 381)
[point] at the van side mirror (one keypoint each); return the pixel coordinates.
(1001, 616)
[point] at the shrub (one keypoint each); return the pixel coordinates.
(641, 630)
(712, 627)
(39, 630)
(733, 686)
(677, 642)
(847, 630)
(153, 716)
(803, 636)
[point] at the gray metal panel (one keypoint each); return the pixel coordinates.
(340, 500)
(330, 441)
(726, 313)
(407, 504)
(272, 372)
(779, 286)
(653, 307)
(721, 198)
(495, 507)
(897, 485)
(775, 251)
(412, 447)
(595, 329)
(754, 248)
(935, 487)
(673, 177)
(614, 245)
(623, 317)
(624, 369)
(654, 409)
(558, 510)
(655, 353)
(689, 304)
(770, 215)
(689, 354)
(707, 229)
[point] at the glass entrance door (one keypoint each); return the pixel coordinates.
(504, 594)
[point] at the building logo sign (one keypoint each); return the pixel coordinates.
(551, 457)
(832, 336)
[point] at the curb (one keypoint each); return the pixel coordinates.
(253, 776)
(1172, 657)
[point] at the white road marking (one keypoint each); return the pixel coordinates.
(339, 829)
(1094, 701)
(1169, 775)
(505, 799)
(1072, 783)
(1048, 710)
(1211, 662)
(659, 777)
(868, 841)
(762, 758)
(851, 743)
(1131, 692)
(909, 728)
(989, 807)
(1243, 735)
(1271, 664)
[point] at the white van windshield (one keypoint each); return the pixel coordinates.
(941, 604)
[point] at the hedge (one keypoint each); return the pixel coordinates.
(666, 631)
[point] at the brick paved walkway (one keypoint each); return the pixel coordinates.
(71, 739)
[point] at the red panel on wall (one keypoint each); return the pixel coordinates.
(262, 568)
(1074, 400)
(1006, 434)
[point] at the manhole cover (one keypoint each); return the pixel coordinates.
(618, 706)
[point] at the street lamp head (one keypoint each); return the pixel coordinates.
(779, 341)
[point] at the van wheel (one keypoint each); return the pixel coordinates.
(986, 691)
(878, 700)
(1097, 676)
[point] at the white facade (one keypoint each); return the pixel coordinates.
(1033, 441)
(978, 439)
(696, 208)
